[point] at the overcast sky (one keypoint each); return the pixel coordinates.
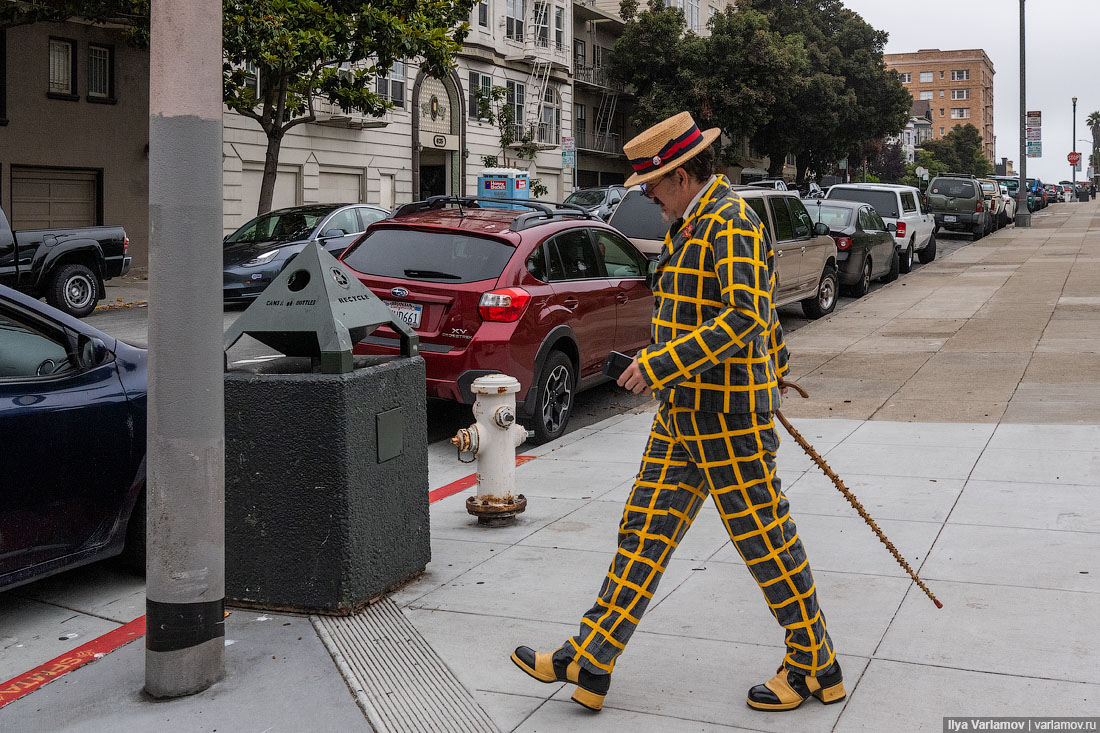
(1060, 67)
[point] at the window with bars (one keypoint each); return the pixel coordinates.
(391, 86)
(481, 86)
(960, 75)
(960, 94)
(101, 73)
(513, 13)
(62, 67)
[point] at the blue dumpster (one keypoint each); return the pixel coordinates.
(503, 183)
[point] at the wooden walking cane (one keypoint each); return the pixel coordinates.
(813, 454)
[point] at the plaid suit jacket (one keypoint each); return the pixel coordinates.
(717, 342)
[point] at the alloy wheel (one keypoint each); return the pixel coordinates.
(557, 399)
(79, 291)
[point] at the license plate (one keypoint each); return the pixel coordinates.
(407, 312)
(950, 219)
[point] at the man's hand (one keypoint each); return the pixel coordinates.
(632, 379)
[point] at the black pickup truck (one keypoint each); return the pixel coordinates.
(66, 266)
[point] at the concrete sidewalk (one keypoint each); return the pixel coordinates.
(960, 403)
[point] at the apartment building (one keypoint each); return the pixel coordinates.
(958, 85)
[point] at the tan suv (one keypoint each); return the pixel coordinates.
(805, 254)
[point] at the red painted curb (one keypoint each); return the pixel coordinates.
(28, 682)
(465, 482)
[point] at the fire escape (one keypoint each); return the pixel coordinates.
(591, 80)
(544, 52)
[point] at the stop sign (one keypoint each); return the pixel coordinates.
(1074, 158)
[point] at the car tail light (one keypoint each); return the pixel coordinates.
(125, 244)
(901, 229)
(978, 208)
(843, 243)
(503, 305)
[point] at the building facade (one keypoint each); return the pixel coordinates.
(958, 85)
(74, 130)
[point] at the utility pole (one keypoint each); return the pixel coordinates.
(1023, 219)
(185, 566)
(1073, 166)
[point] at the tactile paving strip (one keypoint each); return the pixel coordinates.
(399, 681)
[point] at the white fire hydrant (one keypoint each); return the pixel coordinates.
(492, 440)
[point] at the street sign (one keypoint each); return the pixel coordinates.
(1034, 133)
(568, 160)
(568, 144)
(1074, 159)
(921, 172)
(1034, 149)
(1035, 119)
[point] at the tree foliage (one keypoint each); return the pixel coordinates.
(1093, 122)
(730, 79)
(305, 50)
(133, 14)
(794, 76)
(959, 151)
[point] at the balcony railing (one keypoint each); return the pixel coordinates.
(549, 133)
(609, 143)
(596, 76)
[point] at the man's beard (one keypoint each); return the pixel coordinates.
(666, 217)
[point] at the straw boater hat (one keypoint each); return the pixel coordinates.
(665, 146)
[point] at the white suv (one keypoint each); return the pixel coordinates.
(901, 206)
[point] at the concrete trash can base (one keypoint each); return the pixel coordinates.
(326, 483)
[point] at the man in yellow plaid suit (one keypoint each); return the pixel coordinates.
(714, 366)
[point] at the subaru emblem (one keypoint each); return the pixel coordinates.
(398, 292)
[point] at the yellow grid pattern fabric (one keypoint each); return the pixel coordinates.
(717, 342)
(730, 457)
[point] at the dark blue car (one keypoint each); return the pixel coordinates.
(72, 443)
(255, 254)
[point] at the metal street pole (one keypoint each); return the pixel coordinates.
(1023, 219)
(1073, 166)
(185, 566)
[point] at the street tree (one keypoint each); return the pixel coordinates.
(731, 79)
(1093, 121)
(282, 56)
(960, 151)
(889, 163)
(848, 95)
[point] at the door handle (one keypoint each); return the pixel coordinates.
(621, 298)
(571, 303)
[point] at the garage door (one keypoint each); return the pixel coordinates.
(286, 191)
(340, 188)
(44, 198)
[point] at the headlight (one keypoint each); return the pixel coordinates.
(262, 259)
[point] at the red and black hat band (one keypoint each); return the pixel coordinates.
(682, 144)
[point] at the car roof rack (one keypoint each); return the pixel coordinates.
(540, 213)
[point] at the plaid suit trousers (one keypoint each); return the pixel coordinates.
(731, 457)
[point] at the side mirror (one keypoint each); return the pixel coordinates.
(333, 233)
(821, 229)
(891, 227)
(91, 351)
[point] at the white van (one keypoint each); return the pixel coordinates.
(901, 206)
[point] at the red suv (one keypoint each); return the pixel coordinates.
(541, 293)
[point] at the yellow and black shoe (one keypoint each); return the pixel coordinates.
(789, 689)
(558, 667)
